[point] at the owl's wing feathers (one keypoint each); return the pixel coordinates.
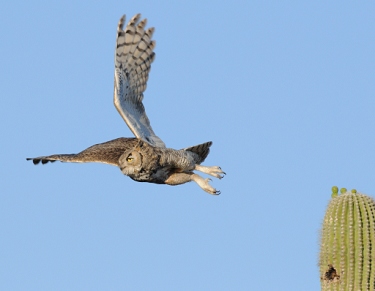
(133, 57)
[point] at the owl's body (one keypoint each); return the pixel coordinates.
(145, 157)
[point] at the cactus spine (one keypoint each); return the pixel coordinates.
(347, 251)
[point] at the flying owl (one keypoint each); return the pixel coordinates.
(144, 158)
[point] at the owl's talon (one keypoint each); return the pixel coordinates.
(214, 171)
(203, 183)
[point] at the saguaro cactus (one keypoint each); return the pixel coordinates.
(347, 251)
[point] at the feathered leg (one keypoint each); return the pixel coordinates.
(214, 171)
(181, 178)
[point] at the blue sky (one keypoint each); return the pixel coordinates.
(284, 89)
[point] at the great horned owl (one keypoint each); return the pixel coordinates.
(144, 158)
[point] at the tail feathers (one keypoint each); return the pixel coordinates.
(202, 150)
(53, 158)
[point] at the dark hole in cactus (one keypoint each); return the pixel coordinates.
(331, 274)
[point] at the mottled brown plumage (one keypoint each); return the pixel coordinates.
(108, 153)
(145, 157)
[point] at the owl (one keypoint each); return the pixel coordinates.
(144, 158)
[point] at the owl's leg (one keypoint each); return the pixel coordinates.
(181, 178)
(203, 183)
(178, 178)
(214, 171)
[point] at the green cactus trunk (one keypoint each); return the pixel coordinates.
(347, 251)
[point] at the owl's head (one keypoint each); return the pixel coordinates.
(130, 162)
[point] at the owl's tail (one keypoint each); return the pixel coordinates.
(202, 150)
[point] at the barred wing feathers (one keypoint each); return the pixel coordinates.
(133, 57)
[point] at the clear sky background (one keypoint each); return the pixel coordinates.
(284, 89)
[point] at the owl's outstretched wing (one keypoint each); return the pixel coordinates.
(133, 57)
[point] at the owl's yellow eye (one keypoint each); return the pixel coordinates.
(129, 159)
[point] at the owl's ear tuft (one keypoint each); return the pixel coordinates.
(140, 144)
